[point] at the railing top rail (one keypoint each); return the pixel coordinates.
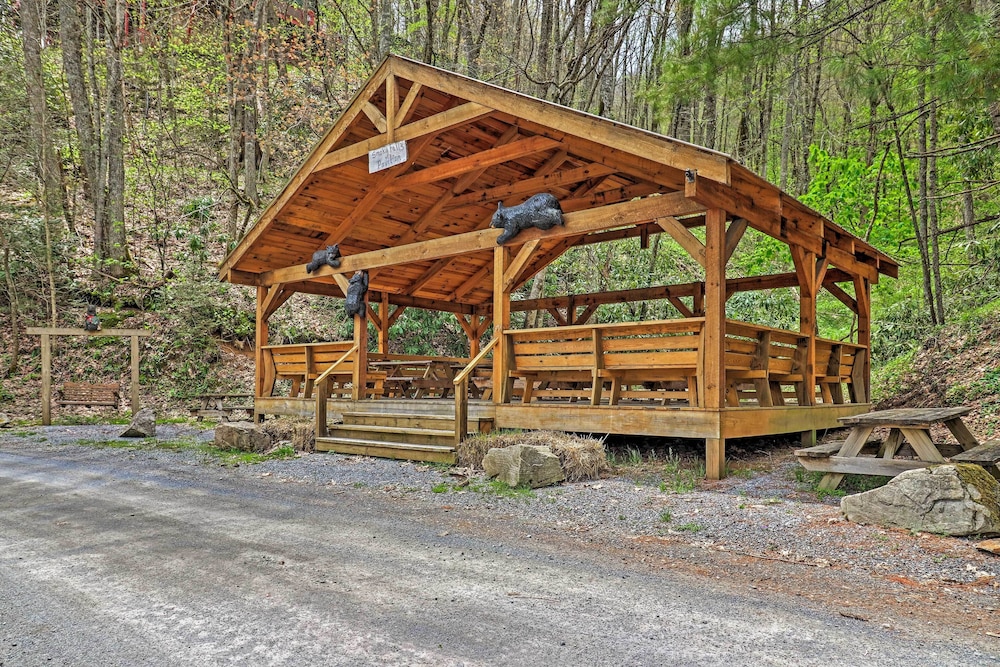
(292, 346)
(683, 324)
(735, 326)
(333, 366)
(465, 372)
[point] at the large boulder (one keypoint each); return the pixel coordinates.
(143, 425)
(242, 436)
(524, 465)
(951, 499)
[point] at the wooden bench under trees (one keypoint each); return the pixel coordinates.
(87, 394)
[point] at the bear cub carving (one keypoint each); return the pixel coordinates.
(356, 289)
(328, 256)
(541, 211)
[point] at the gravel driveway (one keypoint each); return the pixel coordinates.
(753, 538)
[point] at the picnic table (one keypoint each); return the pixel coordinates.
(906, 426)
(220, 405)
(422, 378)
(416, 378)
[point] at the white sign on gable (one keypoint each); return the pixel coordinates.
(387, 156)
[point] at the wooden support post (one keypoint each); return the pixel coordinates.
(714, 354)
(359, 376)
(862, 294)
(322, 393)
(383, 318)
(134, 363)
(311, 370)
(501, 322)
(598, 383)
(46, 380)
(260, 340)
(806, 270)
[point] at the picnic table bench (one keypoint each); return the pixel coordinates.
(220, 405)
(906, 426)
(88, 394)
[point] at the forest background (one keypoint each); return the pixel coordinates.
(141, 140)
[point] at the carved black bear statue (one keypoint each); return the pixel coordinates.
(541, 211)
(328, 256)
(91, 322)
(355, 304)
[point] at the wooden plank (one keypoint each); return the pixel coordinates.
(391, 104)
(581, 222)
(375, 116)
(523, 256)
(634, 420)
(907, 417)
(962, 433)
(476, 161)
(70, 331)
(533, 185)
(986, 453)
(734, 233)
(838, 466)
(820, 451)
(404, 109)
(684, 238)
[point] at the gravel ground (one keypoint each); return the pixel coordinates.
(764, 514)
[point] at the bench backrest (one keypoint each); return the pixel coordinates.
(667, 344)
(307, 360)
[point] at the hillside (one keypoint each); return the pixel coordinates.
(955, 365)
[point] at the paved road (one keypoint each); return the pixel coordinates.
(103, 565)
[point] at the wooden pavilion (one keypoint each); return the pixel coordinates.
(421, 229)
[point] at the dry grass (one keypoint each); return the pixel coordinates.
(581, 458)
(302, 434)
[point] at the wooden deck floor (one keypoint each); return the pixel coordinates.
(680, 422)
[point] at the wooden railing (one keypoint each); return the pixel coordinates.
(301, 363)
(648, 360)
(663, 361)
(462, 390)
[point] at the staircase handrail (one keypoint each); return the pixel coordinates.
(333, 366)
(462, 390)
(322, 385)
(465, 372)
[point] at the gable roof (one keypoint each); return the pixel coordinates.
(472, 145)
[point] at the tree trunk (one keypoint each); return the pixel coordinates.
(86, 131)
(113, 255)
(932, 214)
(33, 25)
(15, 313)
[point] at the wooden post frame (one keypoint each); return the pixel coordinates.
(47, 333)
(714, 353)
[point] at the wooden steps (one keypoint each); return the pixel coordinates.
(413, 437)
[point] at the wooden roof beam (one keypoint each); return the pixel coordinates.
(771, 221)
(614, 135)
(435, 124)
(670, 292)
(477, 161)
(400, 300)
(577, 223)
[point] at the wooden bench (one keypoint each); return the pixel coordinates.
(766, 366)
(986, 455)
(87, 394)
(641, 361)
(220, 405)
